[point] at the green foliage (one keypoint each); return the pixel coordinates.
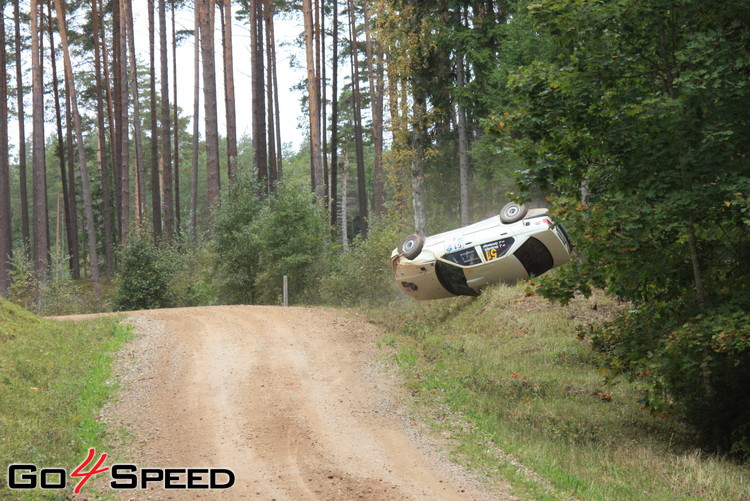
(289, 236)
(190, 278)
(258, 241)
(23, 287)
(236, 261)
(54, 378)
(143, 276)
(362, 275)
(60, 295)
(643, 108)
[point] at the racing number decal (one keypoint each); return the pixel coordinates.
(497, 249)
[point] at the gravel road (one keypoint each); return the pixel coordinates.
(295, 401)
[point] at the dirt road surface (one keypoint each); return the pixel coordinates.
(293, 400)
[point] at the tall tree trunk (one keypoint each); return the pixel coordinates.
(140, 169)
(375, 77)
(258, 99)
(277, 117)
(176, 127)
(41, 66)
(320, 76)
(358, 142)
(109, 262)
(6, 230)
(335, 117)
(90, 227)
(122, 55)
(417, 165)
(109, 103)
(72, 258)
(76, 271)
(25, 234)
(316, 165)
(117, 106)
(209, 92)
(166, 137)
(229, 92)
(41, 241)
(155, 182)
(463, 143)
(272, 172)
(196, 128)
(343, 224)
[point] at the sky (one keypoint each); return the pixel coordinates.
(287, 29)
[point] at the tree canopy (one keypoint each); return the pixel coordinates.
(638, 125)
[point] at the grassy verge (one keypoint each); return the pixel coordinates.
(533, 406)
(54, 378)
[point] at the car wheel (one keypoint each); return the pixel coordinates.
(411, 246)
(512, 212)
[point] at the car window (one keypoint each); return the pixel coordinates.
(497, 249)
(534, 256)
(453, 279)
(466, 257)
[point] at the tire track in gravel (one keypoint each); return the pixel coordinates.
(293, 400)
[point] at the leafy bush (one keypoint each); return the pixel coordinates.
(664, 160)
(362, 275)
(143, 276)
(290, 236)
(23, 283)
(59, 294)
(235, 260)
(259, 240)
(190, 274)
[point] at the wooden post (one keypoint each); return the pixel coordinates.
(286, 291)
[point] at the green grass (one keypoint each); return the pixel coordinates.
(54, 378)
(532, 405)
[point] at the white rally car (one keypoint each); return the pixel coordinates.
(512, 246)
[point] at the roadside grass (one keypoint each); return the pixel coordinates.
(54, 378)
(533, 406)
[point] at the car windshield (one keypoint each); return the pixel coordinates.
(452, 278)
(466, 257)
(535, 257)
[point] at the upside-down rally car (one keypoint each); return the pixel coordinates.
(509, 247)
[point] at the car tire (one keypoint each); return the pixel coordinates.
(411, 246)
(512, 212)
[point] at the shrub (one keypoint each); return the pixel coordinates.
(23, 286)
(59, 294)
(259, 240)
(143, 277)
(235, 260)
(290, 236)
(362, 274)
(191, 279)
